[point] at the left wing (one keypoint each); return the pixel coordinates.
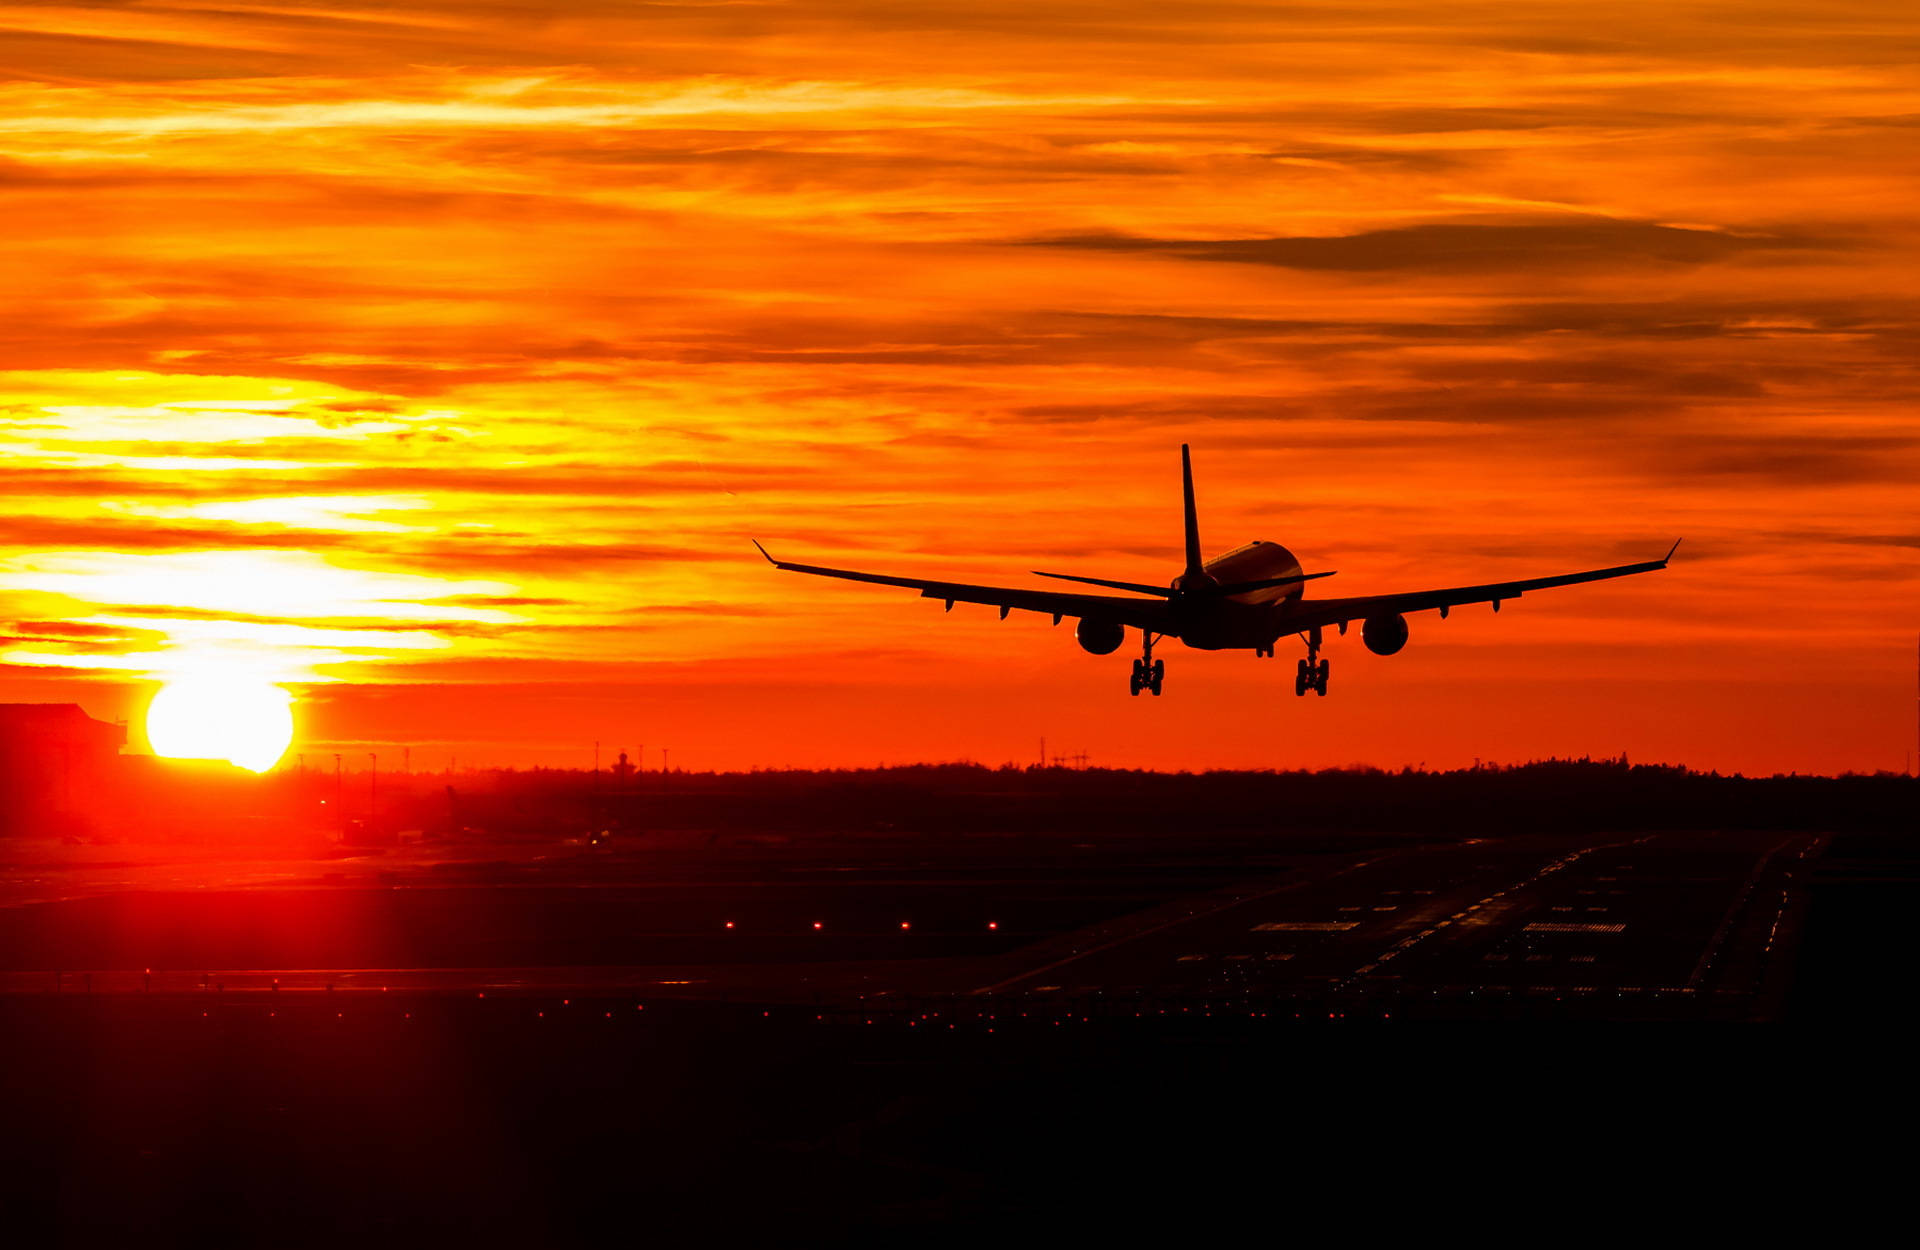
(1152, 614)
(1308, 613)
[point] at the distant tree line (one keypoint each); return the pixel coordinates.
(1549, 796)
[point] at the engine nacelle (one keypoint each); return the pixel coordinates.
(1099, 637)
(1384, 635)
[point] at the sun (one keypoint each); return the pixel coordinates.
(240, 720)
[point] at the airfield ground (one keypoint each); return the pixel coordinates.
(984, 1032)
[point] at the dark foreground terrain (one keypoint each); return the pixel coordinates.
(942, 1037)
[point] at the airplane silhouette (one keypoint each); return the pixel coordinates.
(1249, 598)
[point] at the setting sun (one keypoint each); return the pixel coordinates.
(245, 722)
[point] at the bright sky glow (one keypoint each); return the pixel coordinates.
(441, 363)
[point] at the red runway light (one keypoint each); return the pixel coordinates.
(993, 924)
(816, 924)
(905, 925)
(729, 924)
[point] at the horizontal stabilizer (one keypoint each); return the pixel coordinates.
(1137, 587)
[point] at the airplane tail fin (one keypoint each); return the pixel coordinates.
(1193, 518)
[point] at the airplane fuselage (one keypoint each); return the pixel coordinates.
(1253, 619)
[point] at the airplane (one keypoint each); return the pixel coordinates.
(1249, 598)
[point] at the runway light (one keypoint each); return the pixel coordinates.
(816, 924)
(993, 924)
(905, 925)
(729, 924)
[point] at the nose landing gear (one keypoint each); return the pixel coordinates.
(1148, 672)
(1311, 673)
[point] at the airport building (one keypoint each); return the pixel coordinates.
(54, 759)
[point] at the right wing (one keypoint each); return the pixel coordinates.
(1152, 614)
(1308, 613)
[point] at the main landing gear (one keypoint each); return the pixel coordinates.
(1148, 672)
(1311, 674)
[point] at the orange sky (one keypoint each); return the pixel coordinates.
(439, 360)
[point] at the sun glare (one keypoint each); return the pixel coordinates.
(242, 721)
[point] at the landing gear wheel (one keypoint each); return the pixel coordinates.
(1311, 674)
(1148, 672)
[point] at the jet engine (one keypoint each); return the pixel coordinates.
(1099, 637)
(1384, 635)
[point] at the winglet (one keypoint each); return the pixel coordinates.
(763, 551)
(1670, 551)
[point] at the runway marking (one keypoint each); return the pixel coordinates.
(1305, 926)
(1546, 870)
(1725, 930)
(1545, 927)
(1228, 905)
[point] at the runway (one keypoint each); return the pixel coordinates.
(1651, 919)
(1695, 924)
